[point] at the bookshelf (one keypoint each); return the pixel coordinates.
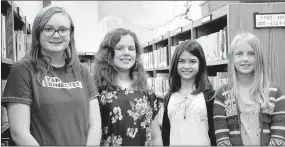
(15, 43)
(214, 32)
(87, 59)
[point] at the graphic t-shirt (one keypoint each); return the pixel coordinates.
(127, 115)
(188, 120)
(59, 104)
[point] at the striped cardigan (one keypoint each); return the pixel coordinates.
(227, 120)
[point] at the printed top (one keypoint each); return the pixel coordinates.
(59, 104)
(188, 114)
(127, 115)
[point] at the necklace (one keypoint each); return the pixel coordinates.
(185, 106)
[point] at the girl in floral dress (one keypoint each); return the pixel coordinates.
(128, 107)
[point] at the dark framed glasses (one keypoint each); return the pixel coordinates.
(63, 32)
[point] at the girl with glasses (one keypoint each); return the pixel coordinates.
(50, 97)
(249, 110)
(128, 106)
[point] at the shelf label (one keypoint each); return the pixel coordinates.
(207, 18)
(179, 30)
(146, 44)
(89, 53)
(269, 20)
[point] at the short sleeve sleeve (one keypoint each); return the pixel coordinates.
(91, 87)
(18, 88)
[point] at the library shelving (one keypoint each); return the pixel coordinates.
(214, 31)
(87, 59)
(15, 36)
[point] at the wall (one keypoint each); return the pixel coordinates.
(29, 12)
(85, 17)
(156, 16)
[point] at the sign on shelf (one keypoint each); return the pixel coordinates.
(207, 18)
(89, 53)
(179, 30)
(269, 20)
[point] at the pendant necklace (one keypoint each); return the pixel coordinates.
(185, 106)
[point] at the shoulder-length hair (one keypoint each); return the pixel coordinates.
(42, 62)
(202, 82)
(260, 87)
(105, 70)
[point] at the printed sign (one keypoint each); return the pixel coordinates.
(159, 38)
(269, 20)
(89, 53)
(179, 30)
(207, 18)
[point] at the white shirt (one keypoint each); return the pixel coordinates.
(188, 120)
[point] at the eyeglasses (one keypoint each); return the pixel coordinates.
(63, 32)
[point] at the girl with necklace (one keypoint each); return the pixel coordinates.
(187, 118)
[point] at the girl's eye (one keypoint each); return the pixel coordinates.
(238, 53)
(181, 61)
(193, 61)
(48, 29)
(131, 48)
(252, 53)
(118, 48)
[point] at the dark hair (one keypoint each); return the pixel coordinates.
(106, 71)
(41, 61)
(202, 82)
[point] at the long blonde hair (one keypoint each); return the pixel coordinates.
(259, 91)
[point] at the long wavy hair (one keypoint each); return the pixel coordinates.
(105, 70)
(42, 62)
(260, 88)
(201, 82)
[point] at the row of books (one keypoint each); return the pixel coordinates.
(156, 59)
(4, 117)
(214, 45)
(219, 80)
(159, 84)
(3, 36)
(89, 64)
(22, 42)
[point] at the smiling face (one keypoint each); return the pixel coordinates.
(55, 43)
(244, 61)
(188, 66)
(125, 53)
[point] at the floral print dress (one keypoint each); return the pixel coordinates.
(126, 117)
